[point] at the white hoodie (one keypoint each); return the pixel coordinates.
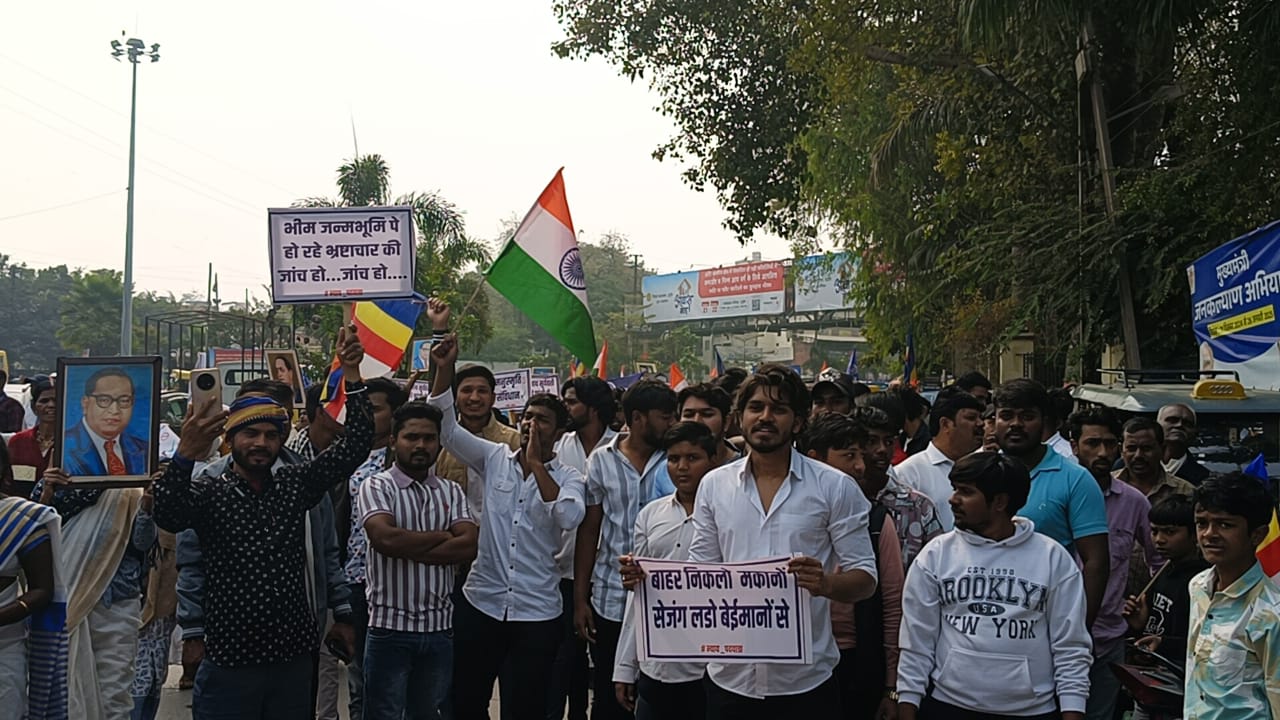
(996, 627)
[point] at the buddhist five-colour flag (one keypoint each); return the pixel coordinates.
(540, 272)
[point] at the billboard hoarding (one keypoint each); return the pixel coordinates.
(822, 282)
(734, 291)
(1234, 292)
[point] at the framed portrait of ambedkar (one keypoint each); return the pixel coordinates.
(108, 420)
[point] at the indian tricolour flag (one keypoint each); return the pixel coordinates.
(540, 272)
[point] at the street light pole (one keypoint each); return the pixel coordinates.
(133, 49)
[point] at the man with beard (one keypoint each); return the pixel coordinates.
(260, 630)
(473, 388)
(777, 502)
(418, 529)
(620, 481)
(1095, 439)
(508, 611)
(591, 407)
(915, 518)
(992, 623)
(330, 593)
(1179, 423)
(1142, 450)
(866, 632)
(1065, 502)
(956, 423)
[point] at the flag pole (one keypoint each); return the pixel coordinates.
(472, 299)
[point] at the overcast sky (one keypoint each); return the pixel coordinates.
(251, 106)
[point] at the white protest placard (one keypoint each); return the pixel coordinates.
(724, 613)
(340, 254)
(511, 389)
(544, 383)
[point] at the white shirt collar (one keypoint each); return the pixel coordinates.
(936, 456)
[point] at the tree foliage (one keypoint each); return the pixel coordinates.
(952, 147)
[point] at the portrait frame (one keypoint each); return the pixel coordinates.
(418, 361)
(138, 435)
(290, 357)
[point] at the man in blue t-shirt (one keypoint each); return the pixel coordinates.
(1065, 503)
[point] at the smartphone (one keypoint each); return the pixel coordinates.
(205, 384)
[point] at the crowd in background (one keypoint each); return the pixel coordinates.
(992, 553)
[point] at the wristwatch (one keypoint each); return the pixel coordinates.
(891, 694)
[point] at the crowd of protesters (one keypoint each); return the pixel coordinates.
(995, 553)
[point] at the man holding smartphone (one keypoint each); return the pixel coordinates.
(260, 630)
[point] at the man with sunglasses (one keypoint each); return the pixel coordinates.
(101, 444)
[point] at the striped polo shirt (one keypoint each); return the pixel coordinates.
(407, 595)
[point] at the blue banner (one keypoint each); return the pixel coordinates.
(1234, 293)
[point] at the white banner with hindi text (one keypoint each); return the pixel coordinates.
(340, 254)
(724, 613)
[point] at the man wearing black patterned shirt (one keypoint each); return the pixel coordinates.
(259, 629)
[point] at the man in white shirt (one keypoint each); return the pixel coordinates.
(664, 529)
(956, 422)
(1062, 405)
(778, 502)
(620, 480)
(510, 607)
(591, 407)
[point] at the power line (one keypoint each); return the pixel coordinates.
(150, 171)
(112, 141)
(51, 208)
(152, 128)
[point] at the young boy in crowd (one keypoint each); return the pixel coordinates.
(664, 529)
(866, 632)
(1233, 639)
(993, 614)
(1161, 614)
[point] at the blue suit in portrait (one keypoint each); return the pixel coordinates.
(82, 458)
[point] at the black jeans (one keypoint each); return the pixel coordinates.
(570, 676)
(604, 706)
(355, 668)
(820, 703)
(931, 709)
(482, 645)
(670, 701)
(859, 697)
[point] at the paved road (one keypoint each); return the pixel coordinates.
(175, 704)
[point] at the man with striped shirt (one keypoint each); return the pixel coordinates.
(419, 527)
(620, 480)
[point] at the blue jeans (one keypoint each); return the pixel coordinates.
(406, 674)
(254, 692)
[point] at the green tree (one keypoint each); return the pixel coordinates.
(952, 149)
(90, 314)
(37, 295)
(444, 250)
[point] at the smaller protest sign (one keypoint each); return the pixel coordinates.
(543, 383)
(340, 254)
(511, 389)
(724, 613)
